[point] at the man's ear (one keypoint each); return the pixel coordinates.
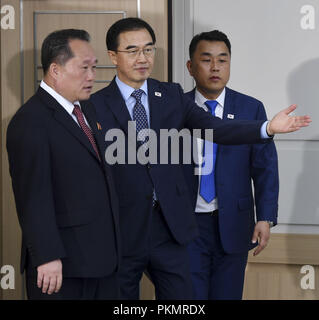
(113, 56)
(54, 70)
(189, 67)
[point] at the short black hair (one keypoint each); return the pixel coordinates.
(55, 47)
(124, 25)
(214, 35)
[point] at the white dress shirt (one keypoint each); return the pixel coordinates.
(201, 204)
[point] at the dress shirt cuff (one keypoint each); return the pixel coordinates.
(263, 131)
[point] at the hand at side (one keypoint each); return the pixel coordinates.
(50, 276)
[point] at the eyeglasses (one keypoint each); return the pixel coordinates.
(148, 52)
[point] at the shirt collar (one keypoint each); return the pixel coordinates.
(127, 90)
(66, 104)
(200, 99)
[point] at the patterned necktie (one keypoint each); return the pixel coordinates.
(79, 116)
(139, 114)
(207, 182)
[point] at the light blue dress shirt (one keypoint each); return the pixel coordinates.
(130, 101)
(263, 131)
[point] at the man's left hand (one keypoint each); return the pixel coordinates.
(282, 122)
(262, 234)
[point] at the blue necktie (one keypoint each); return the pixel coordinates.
(139, 113)
(140, 116)
(207, 182)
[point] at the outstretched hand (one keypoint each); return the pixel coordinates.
(283, 123)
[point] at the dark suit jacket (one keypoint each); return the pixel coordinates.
(169, 109)
(65, 197)
(236, 166)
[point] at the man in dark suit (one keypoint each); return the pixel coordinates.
(156, 214)
(225, 212)
(64, 193)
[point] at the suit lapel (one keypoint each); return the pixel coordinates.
(89, 112)
(157, 102)
(229, 106)
(229, 109)
(61, 115)
(117, 105)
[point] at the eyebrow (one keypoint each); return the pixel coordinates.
(133, 47)
(223, 54)
(88, 61)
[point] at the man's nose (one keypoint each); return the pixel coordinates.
(214, 65)
(141, 56)
(91, 74)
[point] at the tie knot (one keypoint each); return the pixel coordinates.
(137, 94)
(211, 105)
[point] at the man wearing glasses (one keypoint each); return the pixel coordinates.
(156, 212)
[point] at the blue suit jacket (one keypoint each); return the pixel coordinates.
(235, 167)
(169, 109)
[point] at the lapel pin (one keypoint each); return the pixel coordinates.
(158, 94)
(98, 126)
(230, 116)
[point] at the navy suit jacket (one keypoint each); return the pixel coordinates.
(236, 166)
(65, 197)
(169, 109)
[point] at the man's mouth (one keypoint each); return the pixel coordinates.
(214, 78)
(141, 69)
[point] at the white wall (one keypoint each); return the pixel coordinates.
(275, 58)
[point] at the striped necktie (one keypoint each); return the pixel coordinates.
(79, 116)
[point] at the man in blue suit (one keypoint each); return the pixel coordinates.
(156, 214)
(224, 208)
